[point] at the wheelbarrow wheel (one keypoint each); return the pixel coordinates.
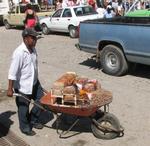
(108, 120)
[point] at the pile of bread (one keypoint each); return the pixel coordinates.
(80, 90)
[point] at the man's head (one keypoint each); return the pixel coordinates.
(29, 37)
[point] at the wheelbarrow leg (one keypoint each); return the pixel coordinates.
(106, 108)
(63, 133)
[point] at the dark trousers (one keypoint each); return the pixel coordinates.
(28, 117)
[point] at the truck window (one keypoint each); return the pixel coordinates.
(36, 8)
(17, 9)
(22, 9)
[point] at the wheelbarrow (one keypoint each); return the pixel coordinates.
(104, 125)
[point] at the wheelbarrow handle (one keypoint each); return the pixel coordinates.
(32, 102)
(45, 91)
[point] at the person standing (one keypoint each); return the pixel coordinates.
(30, 17)
(23, 79)
(110, 12)
(92, 3)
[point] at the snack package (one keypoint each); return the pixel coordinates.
(100, 97)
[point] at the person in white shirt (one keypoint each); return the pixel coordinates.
(109, 13)
(23, 79)
(64, 3)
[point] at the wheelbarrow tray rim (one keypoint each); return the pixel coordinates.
(78, 110)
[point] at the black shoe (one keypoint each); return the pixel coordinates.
(38, 126)
(29, 133)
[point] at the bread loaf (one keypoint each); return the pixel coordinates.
(69, 90)
(67, 79)
(58, 85)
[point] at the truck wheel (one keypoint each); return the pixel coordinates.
(108, 120)
(113, 61)
(73, 32)
(45, 29)
(7, 25)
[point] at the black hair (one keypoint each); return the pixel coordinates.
(29, 6)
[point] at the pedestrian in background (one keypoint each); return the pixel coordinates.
(92, 3)
(30, 17)
(109, 12)
(23, 79)
(58, 4)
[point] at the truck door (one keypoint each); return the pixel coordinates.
(21, 15)
(17, 17)
(13, 18)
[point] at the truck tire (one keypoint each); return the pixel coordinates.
(73, 32)
(7, 25)
(45, 29)
(113, 61)
(109, 120)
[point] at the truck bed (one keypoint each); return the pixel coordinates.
(122, 21)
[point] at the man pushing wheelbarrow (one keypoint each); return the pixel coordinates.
(23, 79)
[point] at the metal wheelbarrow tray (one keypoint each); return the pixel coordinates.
(104, 125)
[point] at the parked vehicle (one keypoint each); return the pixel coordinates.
(117, 42)
(16, 16)
(139, 13)
(4, 8)
(68, 19)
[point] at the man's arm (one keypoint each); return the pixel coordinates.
(10, 88)
(16, 63)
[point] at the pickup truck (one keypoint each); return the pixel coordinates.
(117, 42)
(16, 16)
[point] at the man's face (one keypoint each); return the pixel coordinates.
(30, 41)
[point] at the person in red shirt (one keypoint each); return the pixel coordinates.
(30, 17)
(92, 3)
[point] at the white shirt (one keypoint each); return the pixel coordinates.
(101, 12)
(81, 2)
(23, 69)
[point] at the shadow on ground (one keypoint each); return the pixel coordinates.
(138, 70)
(65, 121)
(59, 34)
(45, 117)
(91, 63)
(5, 122)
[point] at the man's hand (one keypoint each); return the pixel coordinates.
(10, 88)
(10, 92)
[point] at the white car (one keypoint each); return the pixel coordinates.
(68, 19)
